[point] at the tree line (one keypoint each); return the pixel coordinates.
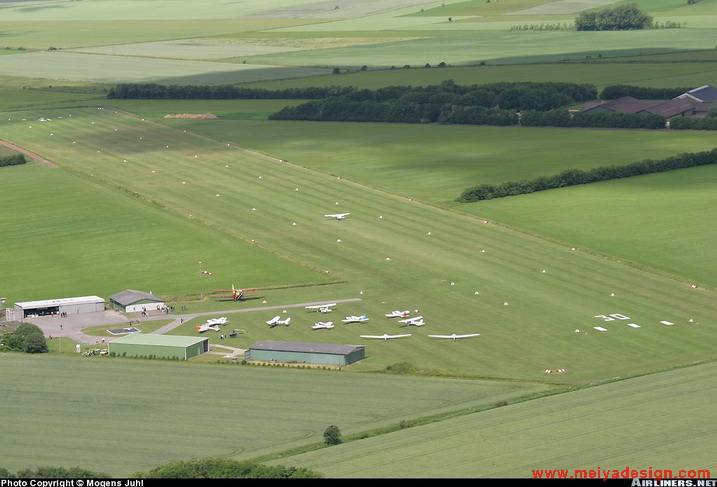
(572, 177)
(219, 92)
(203, 468)
(614, 92)
(447, 102)
(12, 160)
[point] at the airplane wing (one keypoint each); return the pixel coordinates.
(455, 337)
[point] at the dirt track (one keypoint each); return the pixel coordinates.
(29, 154)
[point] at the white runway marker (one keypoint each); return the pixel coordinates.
(505, 304)
(667, 323)
(633, 325)
(600, 328)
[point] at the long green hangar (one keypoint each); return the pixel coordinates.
(306, 353)
(159, 346)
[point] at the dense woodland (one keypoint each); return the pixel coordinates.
(572, 177)
(614, 92)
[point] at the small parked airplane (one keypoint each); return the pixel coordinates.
(232, 294)
(323, 325)
(355, 319)
(321, 308)
(455, 337)
(384, 337)
(218, 321)
(337, 216)
(415, 321)
(276, 321)
(398, 314)
(207, 327)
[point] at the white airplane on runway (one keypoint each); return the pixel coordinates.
(415, 321)
(323, 325)
(455, 337)
(207, 327)
(276, 321)
(321, 308)
(218, 321)
(337, 216)
(398, 314)
(384, 337)
(355, 319)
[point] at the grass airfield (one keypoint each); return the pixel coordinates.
(399, 253)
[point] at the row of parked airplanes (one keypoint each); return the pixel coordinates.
(214, 324)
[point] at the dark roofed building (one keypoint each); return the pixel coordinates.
(626, 104)
(303, 352)
(133, 301)
(705, 94)
(678, 107)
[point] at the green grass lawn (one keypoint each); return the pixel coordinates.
(659, 220)
(86, 238)
(394, 253)
(120, 416)
(143, 327)
(611, 427)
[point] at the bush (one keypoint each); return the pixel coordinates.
(26, 338)
(221, 468)
(571, 177)
(687, 123)
(332, 435)
(401, 368)
(12, 160)
(620, 17)
(640, 92)
(59, 473)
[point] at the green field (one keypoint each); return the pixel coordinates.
(656, 74)
(533, 331)
(437, 162)
(87, 238)
(659, 421)
(120, 416)
(662, 219)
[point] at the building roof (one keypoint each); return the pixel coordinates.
(628, 104)
(131, 296)
(703, 93)
(49, 303)
(672, 108)
(327, 348)
(152, 339)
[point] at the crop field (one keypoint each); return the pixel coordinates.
(610, 426)
(656, 74)
(397, 253)
(86, 238)
(258, 41)
(120, 416)
(661, 224)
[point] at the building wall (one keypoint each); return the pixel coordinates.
(82, 308)
(356, 355)
(135, 350)
(301, 357)
(137, 308)
(198, 348)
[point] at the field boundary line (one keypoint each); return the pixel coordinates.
(32, 155)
